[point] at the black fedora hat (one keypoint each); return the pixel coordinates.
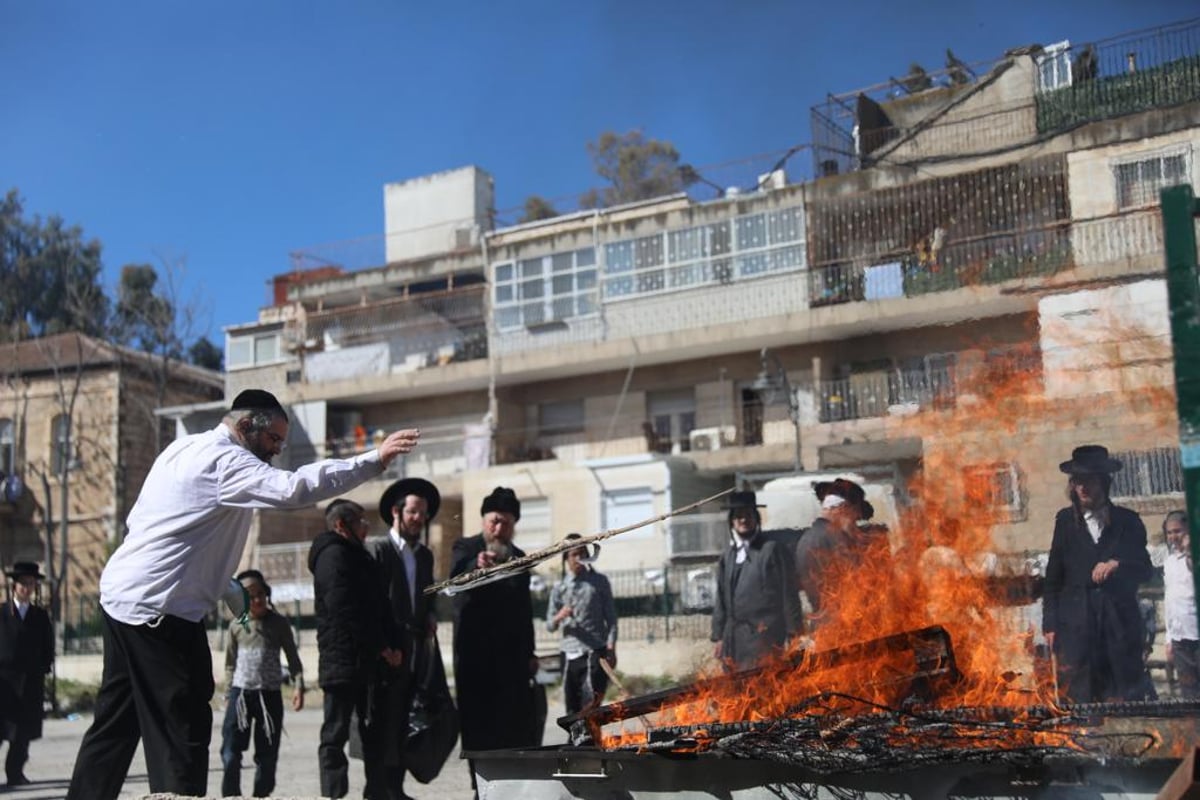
(849, 491)
(394, 496)
(25, 569)
(739, 500)
(503, 500)
(1090, 459)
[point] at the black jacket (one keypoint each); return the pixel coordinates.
(26, 655)
(1098, 629)
(757, 608)
(352, 626)
(493, 646)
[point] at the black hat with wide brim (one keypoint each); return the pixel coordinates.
(739, 500)
(394, 496)
(25, 569)
(1090, 459)
(849, 491)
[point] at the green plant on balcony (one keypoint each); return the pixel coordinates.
(1009, 266)
(1099, 98)
(925, 278)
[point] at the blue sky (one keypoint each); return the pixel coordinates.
(229, 133)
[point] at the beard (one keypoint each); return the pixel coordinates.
(501, 550)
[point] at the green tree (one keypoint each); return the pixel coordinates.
(536, 208)
(636, 168)
(49, 276)
(203, 353)
(144, 317)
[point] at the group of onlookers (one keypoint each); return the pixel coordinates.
(376, 630)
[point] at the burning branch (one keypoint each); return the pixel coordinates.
(480, 577)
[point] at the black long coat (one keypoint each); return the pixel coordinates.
(352, 626)
(493, 648)
(1097, 629)
(393, 697)
(26, 655)
(757, 608)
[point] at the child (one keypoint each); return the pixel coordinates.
(1183, 647)
(253, 675)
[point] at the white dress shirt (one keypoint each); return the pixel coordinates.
(410, 565)
(189, 525)
(1179, 599)
(22, 610)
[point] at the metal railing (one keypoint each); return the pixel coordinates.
(1123, 75)
(876, 395)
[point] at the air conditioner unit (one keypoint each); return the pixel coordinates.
(710, 438)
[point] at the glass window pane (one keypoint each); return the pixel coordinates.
(504, 272)
(531, 267)
(531, 289)
(238, 352)
(751, 231)
(618, 257)
(586, 279)
(504, 294)
(585, 257)
(266, 348)
(561, 262)
(563, 284)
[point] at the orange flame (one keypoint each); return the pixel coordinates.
(933, 570)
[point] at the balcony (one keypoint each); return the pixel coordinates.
(394, 336)
(1124, 75)
(881, 394)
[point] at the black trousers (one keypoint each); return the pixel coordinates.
(584, 681)
(18, 754)
(262, 711)
(156, 687)
(343, 702)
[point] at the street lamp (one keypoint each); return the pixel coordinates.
(772, 381)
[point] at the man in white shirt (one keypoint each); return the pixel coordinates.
(1179, 605)
(406, 569)
(186, 534)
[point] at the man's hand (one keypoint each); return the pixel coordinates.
(398, 443)
(1104, 570)
(298, 699)
(394, 658)
(563, 613)
(485, 559)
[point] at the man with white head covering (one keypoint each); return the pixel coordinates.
(834, 536)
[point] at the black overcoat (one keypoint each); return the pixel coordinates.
(26, 656)
(493, 649)
(393, 695)
(1098, 629)
(757, 607)
(352, 623)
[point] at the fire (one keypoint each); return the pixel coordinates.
(934, 570)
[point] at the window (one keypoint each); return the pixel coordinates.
(672, 416)
(251, 351)
(704, 534)
(60, 432)
(8, 447)
(1054, 67)
(1148, 473)
(996, 490)
(533, 291)
(623, 507)
(752, 417)
(560, 417)
(535, 530)
(1139, 182)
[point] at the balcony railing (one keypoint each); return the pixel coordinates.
(880, 394)
(1153, 69)
(396, 336)
(979, 262)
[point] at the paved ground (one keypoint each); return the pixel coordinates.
(52, 758)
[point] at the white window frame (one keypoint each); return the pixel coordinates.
(536, 528)
(1143, 193)
(674, 404)
(1057, 57)
(60, 456)
(528, 292)
(251, 343)
(623, 507)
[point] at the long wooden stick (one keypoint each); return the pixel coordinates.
(479, 577)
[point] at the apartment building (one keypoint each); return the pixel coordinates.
(77, 426)
(864, 312)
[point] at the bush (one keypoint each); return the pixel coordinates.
(76, 697)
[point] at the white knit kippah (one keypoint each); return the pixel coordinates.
(833, 501)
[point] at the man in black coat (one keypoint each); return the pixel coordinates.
(757, 607)
(405, 567)
(26, 656)
(829, 553)
(1090, 609)
(352, 636)
(494, 658)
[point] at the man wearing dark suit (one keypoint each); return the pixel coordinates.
(26, 655)
(406, 569)
(757, 608)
